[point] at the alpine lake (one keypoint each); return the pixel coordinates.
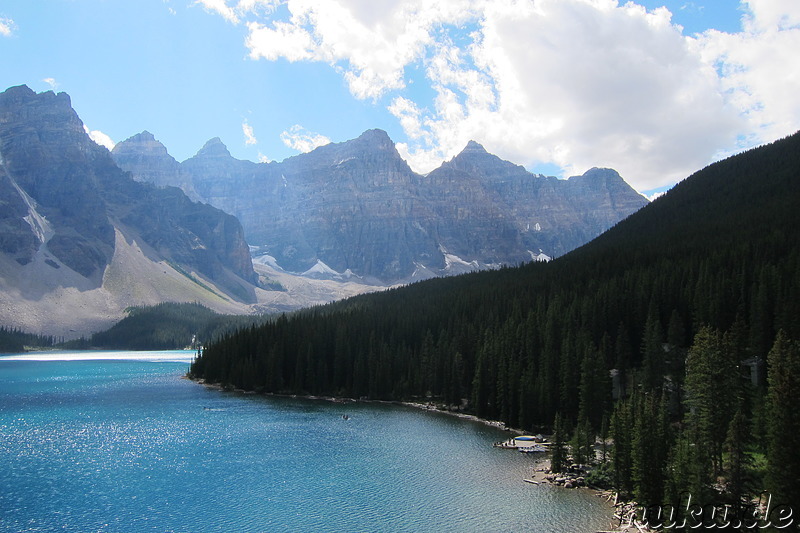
(122, 442)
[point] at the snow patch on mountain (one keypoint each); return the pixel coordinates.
(322, 271)
(541, 256)
(266, 259)
(421, 272)
(38, 223)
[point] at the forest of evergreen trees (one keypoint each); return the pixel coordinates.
(13, 340)
(675, 334)
(165, 326)
(168, 326)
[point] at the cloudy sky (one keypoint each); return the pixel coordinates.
(654, 88)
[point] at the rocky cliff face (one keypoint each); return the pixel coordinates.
(356, 207)
(52, 162)
(534, 212)
(65, 203)
(153, 163)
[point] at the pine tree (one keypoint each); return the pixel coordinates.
(649, 447)
(784, 421)
(621, 428)
(738, 460)
(653, 367)
(712, 385)
(582, 443)
(558, 457)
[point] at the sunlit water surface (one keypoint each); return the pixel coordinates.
(120, 442)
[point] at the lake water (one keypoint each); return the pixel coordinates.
(89, 444)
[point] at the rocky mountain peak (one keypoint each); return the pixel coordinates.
(22, 94)
(376, 137)
(148, 160)
(373, 151)
(141, 143)
(597, 179)
(78, 198)
(144, 136)
(375, 142)
(17, 94)
(597, 173)
(474, 147)
(476, 161)
(214, 148)
(53, 112)
(357, 205)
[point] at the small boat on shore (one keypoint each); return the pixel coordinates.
(524, 443)
(531, 449)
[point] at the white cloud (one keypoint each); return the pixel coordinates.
(282, 40)
(577, 83)
(758, 68)
(221, 8)
(234, 11)
(52, 83)
(100, 138)
(297, 138)
(7, 27)
(371, 43)
(170, 10)
(409, 116)
(249, 136)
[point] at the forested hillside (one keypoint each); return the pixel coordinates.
(675, 332)
(168, 326)
(15, 340)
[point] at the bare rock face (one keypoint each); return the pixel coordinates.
(153, 163)
(63, 194)
(47, 154)
(356, 207)
(18, 237)
(533, 212)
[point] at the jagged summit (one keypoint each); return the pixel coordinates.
(474, 147)
(144, 136)
(72, 217)
(358, 205)
(144, 142)
(21, 93)
(602, 173)
(18, 91)
(475, 160)
(214, 148)
(600, 178)
(376, 136)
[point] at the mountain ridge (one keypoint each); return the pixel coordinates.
(357, 206)
(71, 214)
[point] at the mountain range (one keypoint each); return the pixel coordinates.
(81, 240)
(356, 209)
(86, 234)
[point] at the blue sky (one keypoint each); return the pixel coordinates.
(654, 89)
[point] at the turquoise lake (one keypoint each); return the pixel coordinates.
(129, 445)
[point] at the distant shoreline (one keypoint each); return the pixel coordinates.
(431, 407)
